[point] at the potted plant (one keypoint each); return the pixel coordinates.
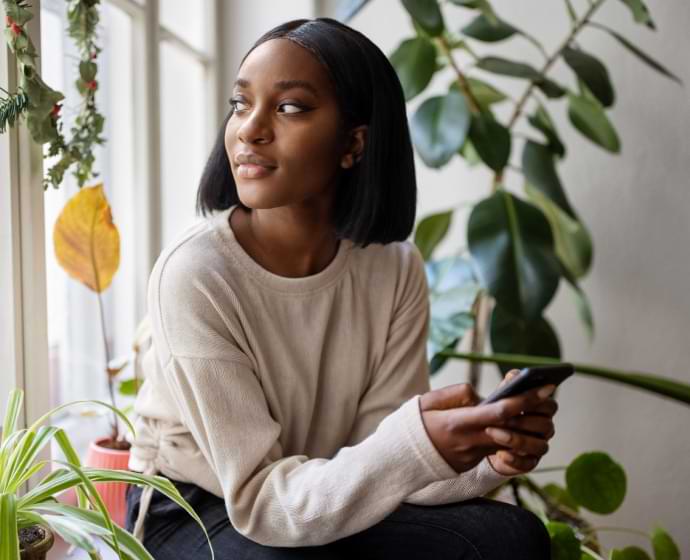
(29, 520)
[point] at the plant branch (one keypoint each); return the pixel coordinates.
(571, 11)
(462, 80)
(577, 27)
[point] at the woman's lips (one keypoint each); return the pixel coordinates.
(253, 171)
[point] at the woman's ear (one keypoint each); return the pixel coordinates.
(355, 149)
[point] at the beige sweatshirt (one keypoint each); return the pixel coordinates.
(296, 400)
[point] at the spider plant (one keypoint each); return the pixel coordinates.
(80, 525)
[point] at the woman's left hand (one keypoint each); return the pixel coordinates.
(528, 431)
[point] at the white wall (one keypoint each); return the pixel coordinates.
(636, 206)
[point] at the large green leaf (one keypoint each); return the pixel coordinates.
(539, 169)
(596, 482)
(541, 120)
(415, 63)
(483, 29)
(491, 140)
(564, 543)
(653, 383)
(638, 53)
(640, 12)
(453, 288)
(430, 232)
(571, 237)
(439, 126)
(9, 539)
(482, 5)
(664, 546)
(629, 553)
(485, 94)
(514, 335)
(427, 14)
(512, 244)
(129, 545)
(588, 116)
(14, 406)
(505, 67)
(592, 72)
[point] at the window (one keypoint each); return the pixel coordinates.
(151, 202)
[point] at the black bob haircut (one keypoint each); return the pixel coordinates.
(376, 198)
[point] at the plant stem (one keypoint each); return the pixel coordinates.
(571, 11)
(591, 552)
(549, 469)
(620, 529)
(111, 390)
(577, 27)
(462, 80)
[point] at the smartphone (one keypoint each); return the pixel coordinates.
(531, 378)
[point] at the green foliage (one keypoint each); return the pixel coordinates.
(512, 243)
(439, 127)
(20, 452)
(596, 482)
(521, 245)
(40, 104)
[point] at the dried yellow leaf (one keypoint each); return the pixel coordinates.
(87, 242)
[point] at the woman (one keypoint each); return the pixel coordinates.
(287, 388)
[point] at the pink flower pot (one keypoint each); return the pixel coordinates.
(113, 493)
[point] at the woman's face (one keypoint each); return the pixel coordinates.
(287, 115)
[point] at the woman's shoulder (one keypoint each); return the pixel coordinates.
(397, 257)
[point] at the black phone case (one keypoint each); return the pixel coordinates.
(530, 378)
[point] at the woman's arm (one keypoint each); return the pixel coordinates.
(404, 372)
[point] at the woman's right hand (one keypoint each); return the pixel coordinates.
(456, 425)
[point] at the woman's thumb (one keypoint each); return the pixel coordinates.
(452, 396)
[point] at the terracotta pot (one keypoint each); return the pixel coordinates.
(39, 549)
(113, 493)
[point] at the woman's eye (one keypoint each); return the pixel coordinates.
(292, 105)
(234, 102)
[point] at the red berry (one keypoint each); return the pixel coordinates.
(56, 110)
(16, 29)
(92, 84)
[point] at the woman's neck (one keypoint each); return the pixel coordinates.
(284, 248)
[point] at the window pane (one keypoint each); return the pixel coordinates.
(76, 347)
(188, 23)
(183, 143)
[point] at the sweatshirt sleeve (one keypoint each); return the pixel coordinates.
(271, 498)
(404, 372)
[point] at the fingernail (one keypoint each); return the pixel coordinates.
(499, 435)
(546, 391)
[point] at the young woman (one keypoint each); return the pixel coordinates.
(287, 388)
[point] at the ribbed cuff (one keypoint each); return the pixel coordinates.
(426, 451)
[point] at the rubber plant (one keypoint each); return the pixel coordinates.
(81, 525)
(520, 247)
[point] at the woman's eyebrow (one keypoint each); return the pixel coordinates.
(283, 85)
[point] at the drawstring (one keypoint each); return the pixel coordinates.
(144, 502)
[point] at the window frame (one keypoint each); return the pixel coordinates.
(23, 296)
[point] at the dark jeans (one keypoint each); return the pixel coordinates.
(477, 529)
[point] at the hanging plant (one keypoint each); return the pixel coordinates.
(40, 104)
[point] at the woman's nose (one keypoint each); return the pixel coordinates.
(255, 128)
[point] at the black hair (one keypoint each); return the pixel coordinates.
(376, 198)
